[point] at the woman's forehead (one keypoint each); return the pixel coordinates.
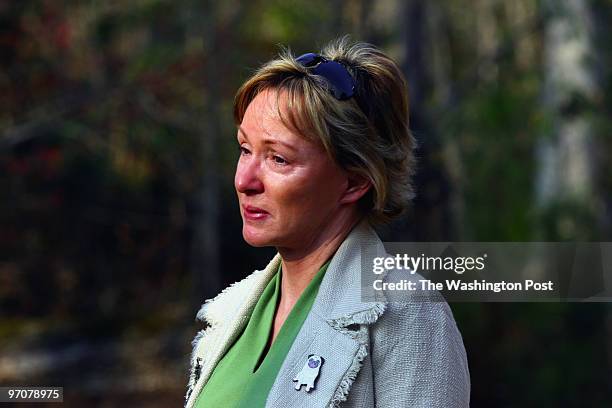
(263, 116)
(267, 105)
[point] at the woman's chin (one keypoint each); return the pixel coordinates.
(255, 237)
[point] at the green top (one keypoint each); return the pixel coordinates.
(245, 374)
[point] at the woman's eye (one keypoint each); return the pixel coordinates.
(243, 150)
(279, 160)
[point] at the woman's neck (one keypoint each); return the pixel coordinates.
(301, 265)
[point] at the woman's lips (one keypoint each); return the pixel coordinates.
(254, 213)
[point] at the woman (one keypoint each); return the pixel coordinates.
(325, 152)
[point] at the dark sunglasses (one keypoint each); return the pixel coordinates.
(341, 83)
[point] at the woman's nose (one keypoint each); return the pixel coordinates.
(247, 179)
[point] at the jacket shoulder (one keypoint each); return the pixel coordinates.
(418, 355)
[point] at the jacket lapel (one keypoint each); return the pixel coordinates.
(337, 329)
(227, 315)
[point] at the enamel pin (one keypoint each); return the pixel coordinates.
(309, 373)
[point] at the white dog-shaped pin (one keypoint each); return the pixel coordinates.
(309, 373)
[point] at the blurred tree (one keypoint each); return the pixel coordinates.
(566, 189)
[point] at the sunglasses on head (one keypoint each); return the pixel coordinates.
(341, 83)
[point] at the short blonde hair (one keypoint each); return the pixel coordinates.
(367, 134)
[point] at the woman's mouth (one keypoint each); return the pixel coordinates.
(254, 213)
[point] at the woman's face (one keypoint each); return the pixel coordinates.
(289, 190)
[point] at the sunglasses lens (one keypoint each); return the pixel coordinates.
(338, 77)
(308, 60)
(340, 81)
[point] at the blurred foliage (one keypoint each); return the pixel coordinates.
(118, 140)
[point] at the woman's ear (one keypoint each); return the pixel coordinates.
(356, 188)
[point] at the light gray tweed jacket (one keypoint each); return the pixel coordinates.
(377, 354)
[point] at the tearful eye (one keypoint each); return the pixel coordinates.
(279, 160)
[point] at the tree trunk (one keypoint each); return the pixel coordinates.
(565, 184)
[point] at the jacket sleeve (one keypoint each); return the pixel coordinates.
(418, 357)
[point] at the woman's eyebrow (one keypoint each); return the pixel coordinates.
(270, 141)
